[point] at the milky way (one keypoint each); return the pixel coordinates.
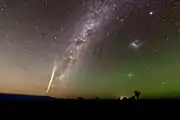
(93, 21)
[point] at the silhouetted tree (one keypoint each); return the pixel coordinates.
(137, 94)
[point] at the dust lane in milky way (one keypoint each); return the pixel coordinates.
(104, 48)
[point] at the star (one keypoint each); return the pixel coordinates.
(122, 20)
(162, 82)
(54, 38)
(166, 38)
(151, 13)
(130, 75)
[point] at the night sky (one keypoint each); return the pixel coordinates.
(90, 48)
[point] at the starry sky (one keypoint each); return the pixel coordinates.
(97, 48)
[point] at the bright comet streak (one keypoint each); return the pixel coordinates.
(51, 80)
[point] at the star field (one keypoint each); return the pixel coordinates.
(104, 48)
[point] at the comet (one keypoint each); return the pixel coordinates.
(52, 78)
